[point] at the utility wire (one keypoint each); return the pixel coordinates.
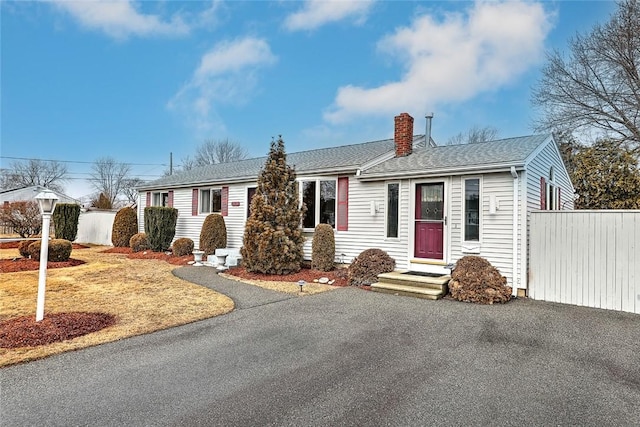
(78, 161)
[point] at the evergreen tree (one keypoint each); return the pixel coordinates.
(273, 235)
(606, 176)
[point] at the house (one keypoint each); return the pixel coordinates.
(29, 193)
(425, 205)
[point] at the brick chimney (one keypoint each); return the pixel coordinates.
(403, 135)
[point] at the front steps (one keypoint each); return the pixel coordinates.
(402, 282)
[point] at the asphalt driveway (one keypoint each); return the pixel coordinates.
(347, 357)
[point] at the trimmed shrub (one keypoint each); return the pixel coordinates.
(125, 225)
(59, 250)
(475, 280)
(139, 242)
(365, 268)
(213, 234)
(65, 221)
(160, 226)
(23, 248)
(323, 248)
(182, 247)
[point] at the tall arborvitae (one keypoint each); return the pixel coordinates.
(273, 235)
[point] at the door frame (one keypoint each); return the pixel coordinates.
(429, 265)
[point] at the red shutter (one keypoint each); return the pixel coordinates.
(170, 201)
(225, 201)
(543, 193)
(148, 198)
(194, 202)
(559, 200)
(343, 204)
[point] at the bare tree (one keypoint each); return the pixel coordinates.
(221, 151)
(110, 177)
(597, 87)
(129, 189)
(474, 135)
(49, 174)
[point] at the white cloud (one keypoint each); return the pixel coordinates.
(227, 74)
(121, 18)
(452, 59)
(316, 13)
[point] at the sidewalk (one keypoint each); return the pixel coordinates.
(243, 295)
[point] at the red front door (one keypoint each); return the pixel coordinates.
(429, 221)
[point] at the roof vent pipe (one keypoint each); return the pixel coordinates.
(427, 135)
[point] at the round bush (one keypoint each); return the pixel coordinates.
(182, 247)
(323, 248)
(23, 248)
(213, 234)
(139, 242)
(474, 279)
(365, 268)
(125, 225)
(59, 250)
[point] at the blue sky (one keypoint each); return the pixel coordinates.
(137, 80)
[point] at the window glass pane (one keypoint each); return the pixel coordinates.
(205, 201)
(328, 203)
(393, 191)
(472, 210)
(156, 199)
(309, 199)
(216, 200)
(251, 191)
(165, 199)
(431, 202)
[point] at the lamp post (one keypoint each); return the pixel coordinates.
(47, 202)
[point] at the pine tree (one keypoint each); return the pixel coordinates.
(273, 240)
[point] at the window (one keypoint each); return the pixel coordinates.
(393, 194)
(319, 196)
(251, 191)
(211, 201)
(161, 199)
(549, 193)
(472, 210)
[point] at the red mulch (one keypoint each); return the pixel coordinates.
(14, 245)
(26, 332)
(149, 254)
(24, 264)
(306, 274)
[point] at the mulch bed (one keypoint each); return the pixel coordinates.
(26, 332)
(25, 264)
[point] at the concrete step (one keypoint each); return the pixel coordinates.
(407, 290)
(402, 277)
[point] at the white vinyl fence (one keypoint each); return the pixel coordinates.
(588, 258)
(95, 227)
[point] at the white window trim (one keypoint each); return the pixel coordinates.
(471, 246)
(386, 206)
(156, 198)
(201, 204)
(301, 180)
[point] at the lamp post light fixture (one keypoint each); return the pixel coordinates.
(47, 202)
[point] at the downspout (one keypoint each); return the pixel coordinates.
(514, 268)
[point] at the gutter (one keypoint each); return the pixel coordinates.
(514, 268)
(497, 168)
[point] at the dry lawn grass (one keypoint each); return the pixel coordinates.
(143, 294)
(309, 288)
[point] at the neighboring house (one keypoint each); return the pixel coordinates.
(29, 193)
(425, 205)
